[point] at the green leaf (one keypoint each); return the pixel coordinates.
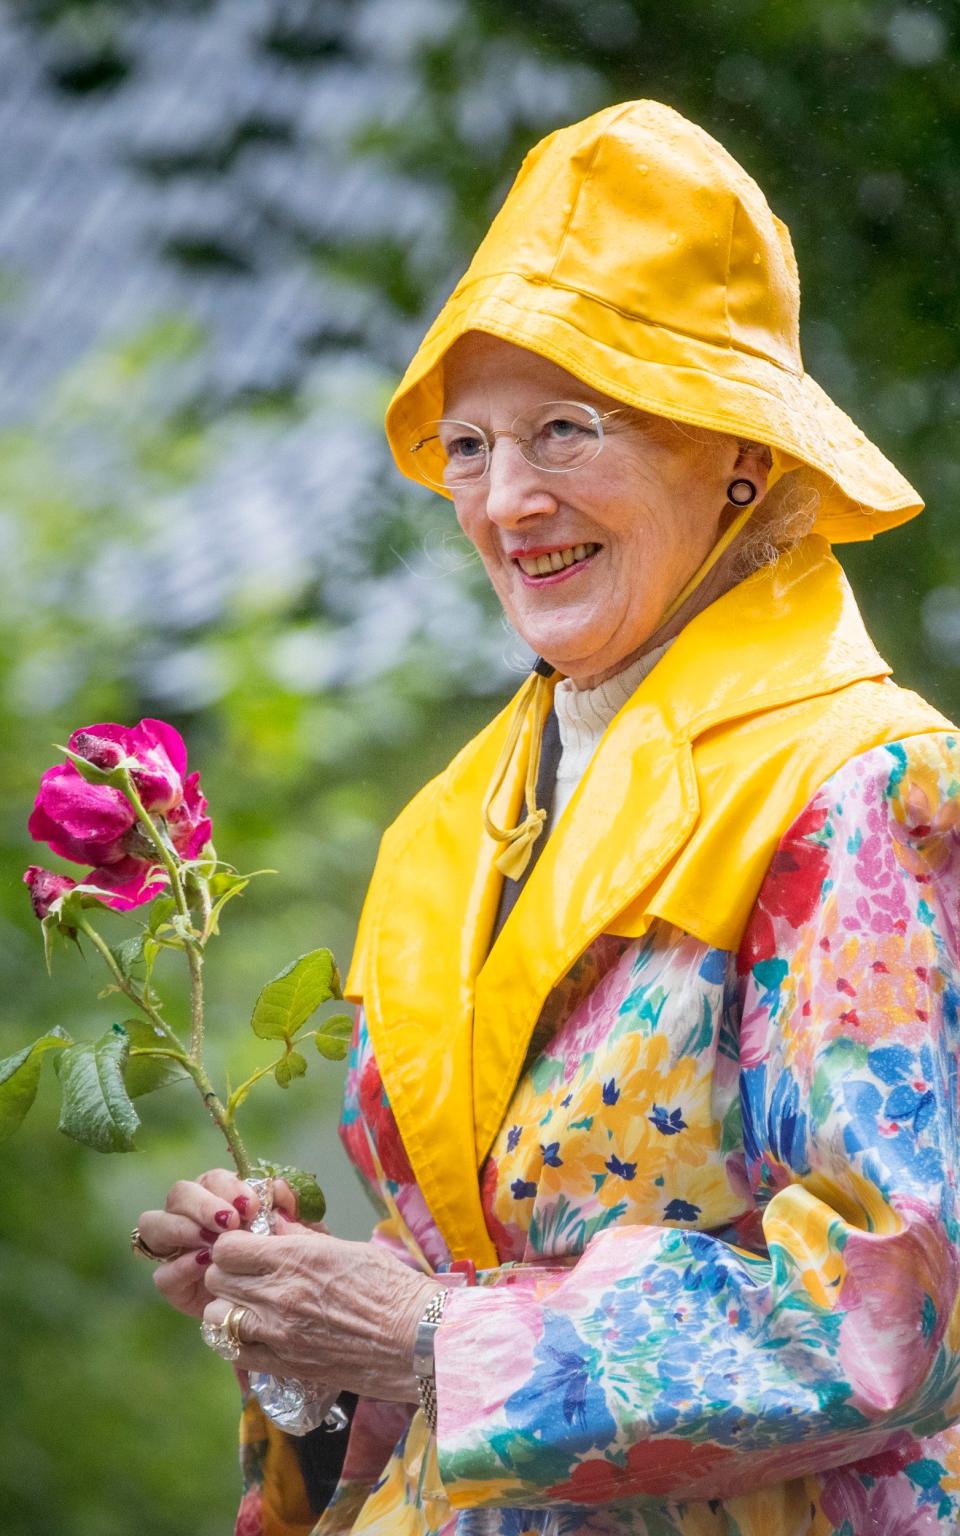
(128, 954)
(62, 921)
(116, 777)
(96, 1106)
(227, 882)
(19, 1076)
(145, 1074)
(50, 928)
(334, 1035)
(151, 949)
(223, 887)
(297, 1063)
(289, 999)
(161, 911)
(293, 1065)
(311, 1201)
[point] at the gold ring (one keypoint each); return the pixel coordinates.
(138, 1246)
(231, 1326)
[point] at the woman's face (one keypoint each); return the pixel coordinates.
(646, 511)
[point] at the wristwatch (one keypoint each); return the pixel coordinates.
(423, 1363)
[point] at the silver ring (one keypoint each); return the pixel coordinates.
(263, 1221)
(215, 1336)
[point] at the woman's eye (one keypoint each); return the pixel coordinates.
(464, 448)
(560, 427)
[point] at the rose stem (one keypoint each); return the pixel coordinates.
(193, 952)
(193, 1066)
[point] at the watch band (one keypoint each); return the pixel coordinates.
(423, 1361)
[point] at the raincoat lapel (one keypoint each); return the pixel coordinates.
(424, 932)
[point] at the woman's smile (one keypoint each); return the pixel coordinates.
(546, 565)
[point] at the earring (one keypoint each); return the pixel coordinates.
(741, 492)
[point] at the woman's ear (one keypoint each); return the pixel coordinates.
(753, 462)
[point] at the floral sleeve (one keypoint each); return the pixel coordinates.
(671, 1363)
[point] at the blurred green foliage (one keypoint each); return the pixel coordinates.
(847, 113)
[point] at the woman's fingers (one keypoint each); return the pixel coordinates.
(285, 1199)
(236, 1192)
(164, 1233)
(180, 1282)
(258, 1354)
(255, 1353)
(232, 1190)
(208, 1207)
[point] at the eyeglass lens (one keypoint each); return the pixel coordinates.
(556, 436)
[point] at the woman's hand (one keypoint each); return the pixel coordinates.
(321, 1309)
(195, 1213)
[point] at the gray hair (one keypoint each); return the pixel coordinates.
(782, 521)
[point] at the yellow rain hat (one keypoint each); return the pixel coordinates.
(637, 254)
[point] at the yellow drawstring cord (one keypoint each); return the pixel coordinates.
(520, 839)
(536, 694)
(703, 569)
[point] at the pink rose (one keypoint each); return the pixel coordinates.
(45, 888)
(95, 824)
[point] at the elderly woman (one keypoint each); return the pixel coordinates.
(655, 1067)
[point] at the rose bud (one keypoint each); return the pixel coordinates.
(45, 888)
(96, 749)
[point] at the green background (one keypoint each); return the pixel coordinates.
(114, 1416)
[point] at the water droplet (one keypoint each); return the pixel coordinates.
(756, 258)
(643, 169)
(673, 237)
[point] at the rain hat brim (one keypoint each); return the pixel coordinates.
(682, 377)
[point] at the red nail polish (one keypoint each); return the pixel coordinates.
(222, 1218)
(204, 1257)
(240, 1204)
(208, 1236)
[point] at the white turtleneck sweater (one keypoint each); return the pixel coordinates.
(583, 715)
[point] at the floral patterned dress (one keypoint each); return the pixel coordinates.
(725, 1203)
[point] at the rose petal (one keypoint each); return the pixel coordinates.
(159, 733)
(131, 883)
(189, 826)
(82, 822)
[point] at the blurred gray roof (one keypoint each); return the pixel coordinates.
(202, 184)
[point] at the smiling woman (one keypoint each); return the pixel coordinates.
(653, 1077)
(648, 503)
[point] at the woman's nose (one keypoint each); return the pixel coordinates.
(515, 487)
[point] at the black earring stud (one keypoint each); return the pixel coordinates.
(741, 492)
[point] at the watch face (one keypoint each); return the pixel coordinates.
(423, 1348)
(423, 1365)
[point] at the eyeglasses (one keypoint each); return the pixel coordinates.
(557, 436)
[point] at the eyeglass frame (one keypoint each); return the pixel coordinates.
(489, 440)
